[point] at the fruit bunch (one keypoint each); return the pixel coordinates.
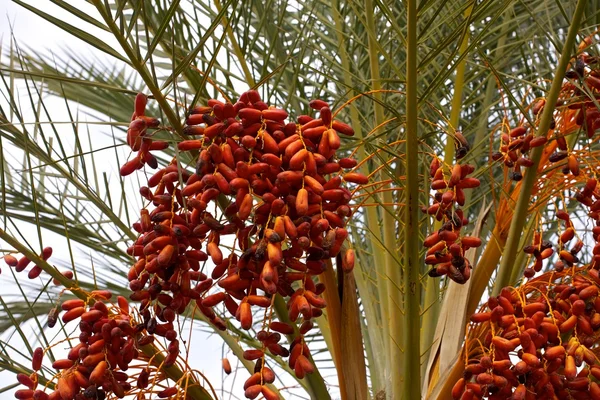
(445, 247)
(578, 94)
(536, 341)
(575, 110)
(96, 365)
(140, 141)
(538, 251)
(266, 204)
(540, 339)
(515, 146)
(274, 192)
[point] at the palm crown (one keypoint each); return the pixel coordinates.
(437, 80)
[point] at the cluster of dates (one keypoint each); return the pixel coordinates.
(140, 141)
(578, 103)
(108, 342)
(515, 146)
(537, 341)
(445, 247)
(539, 250)
(274, 193)
(579, 94)
(583, 94)
(540, 339)
(588, 118)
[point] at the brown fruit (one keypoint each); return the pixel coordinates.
(24, 394)
(253, 391)
(97, 375)
(226, 366)
(25, 380)
(70, 304)
(570, 368)
(36, 361)
(348, 261)
(342, 128)
(458, 389)
(67, 387)
(62, 364)
(271, 395)
(245, 315)
(356, 177)
(10, 260)
(72, 314)
(302, 202)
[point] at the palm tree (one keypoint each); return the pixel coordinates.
(416, 80)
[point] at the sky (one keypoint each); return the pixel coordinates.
(32, 31)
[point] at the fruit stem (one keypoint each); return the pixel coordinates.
(412, 285)
(353, 359)
(333, 314)
(520, 215)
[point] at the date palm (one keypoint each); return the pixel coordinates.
(412, 78)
